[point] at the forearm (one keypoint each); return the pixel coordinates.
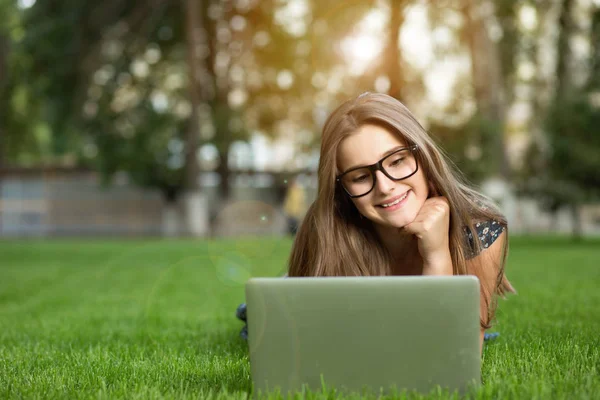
(438, 264)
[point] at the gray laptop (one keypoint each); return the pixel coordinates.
(357, 334)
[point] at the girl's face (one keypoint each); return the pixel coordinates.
(390, 203)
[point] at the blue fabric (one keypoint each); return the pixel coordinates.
(490, 336)
(240, 313)
(487, 232)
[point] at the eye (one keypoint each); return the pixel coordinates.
(397, 161)
(360, 179)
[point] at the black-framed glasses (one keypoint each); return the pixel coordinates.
(397, 166)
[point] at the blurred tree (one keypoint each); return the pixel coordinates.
(217, 36)
(594, 65)
(403, 80)
(472, 128)
(571, 176)
(489, 75)
(130, 106)
(4, 78)
(299, 56)
(562, 171)
(392, 56)
(199, 83)
(566, 29)
(63, 41)
(19, 108)
(112, 78)
(470, 145)
(296, 70)
(311, 57)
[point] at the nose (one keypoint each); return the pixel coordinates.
(383, 183)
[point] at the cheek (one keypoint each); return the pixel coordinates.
(431, 191)
(360, 203)
(423, 186)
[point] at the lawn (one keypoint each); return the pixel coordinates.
(155, 319)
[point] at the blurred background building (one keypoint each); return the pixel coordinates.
(192, 118)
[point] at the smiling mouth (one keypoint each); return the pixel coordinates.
(393, 203)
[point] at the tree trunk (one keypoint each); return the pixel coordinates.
(220, 106)
(4, 109)
(543, 85)
(196, 39)
(577, 227)
(565, 27)
(395, 73)
(224, 173)
(4, 103)
(172, 224)
(194, 202)
(594, 80)
(488, 80)
(185, 214)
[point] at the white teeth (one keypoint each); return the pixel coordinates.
(395, 202)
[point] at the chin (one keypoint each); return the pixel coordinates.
(398, 221)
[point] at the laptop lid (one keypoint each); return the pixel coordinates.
(357, 333)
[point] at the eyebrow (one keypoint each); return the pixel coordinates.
(387, 153)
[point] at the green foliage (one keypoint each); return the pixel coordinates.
(566, 170)
(63, 85)
(75, 74)
(471, 146)
(155, 319)
(84, 86)
(511, 41)
(19, 106)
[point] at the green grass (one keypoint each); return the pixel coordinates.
(154, 319)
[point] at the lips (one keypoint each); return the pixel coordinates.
(393, 199)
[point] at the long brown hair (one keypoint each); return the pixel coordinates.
(333, 239)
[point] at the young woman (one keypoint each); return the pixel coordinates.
(390, 203)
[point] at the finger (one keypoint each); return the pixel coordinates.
(437, 201)
(413, 229)
(438, 207)
(432, 213)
